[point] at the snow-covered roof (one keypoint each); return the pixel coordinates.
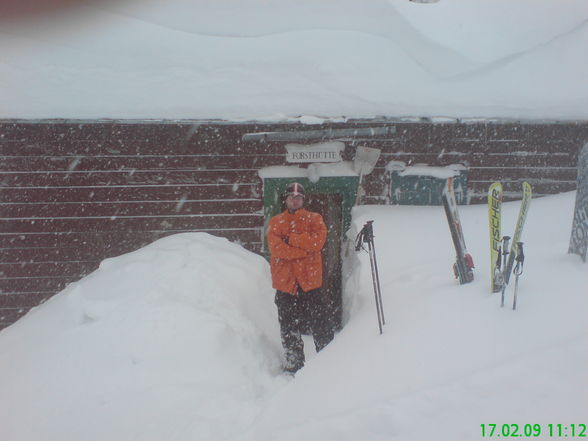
(309, 59)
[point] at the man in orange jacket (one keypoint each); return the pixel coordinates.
(296, 238)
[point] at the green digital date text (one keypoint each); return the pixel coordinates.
(533, 430)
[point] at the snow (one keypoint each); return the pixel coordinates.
(305, 60)
(313, 172)
(179, 341)
(155, 344)
(448, 171)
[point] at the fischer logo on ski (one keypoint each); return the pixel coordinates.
(463, 262)
(494, 219)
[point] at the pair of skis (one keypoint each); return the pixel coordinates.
(464, 264)
(501, 258)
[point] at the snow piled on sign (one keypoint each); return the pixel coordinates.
(304, 60)
(313, 172)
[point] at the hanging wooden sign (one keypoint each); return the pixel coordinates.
(321, 152)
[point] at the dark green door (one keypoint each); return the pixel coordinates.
(332, 197)
(330, 208)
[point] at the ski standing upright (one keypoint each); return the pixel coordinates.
(463, 263)
(494, 219)
(516, 238)
(579, 237)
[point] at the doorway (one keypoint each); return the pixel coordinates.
(329, 206)
(332, 197)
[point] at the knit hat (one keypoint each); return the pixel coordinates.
(294, 189)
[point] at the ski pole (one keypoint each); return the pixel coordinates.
(517, 271)
(373, 245)
(505, 253)
(369, 238)
(366, 235)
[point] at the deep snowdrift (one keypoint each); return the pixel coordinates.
(174, 341)
(179, 341)
(258, 59)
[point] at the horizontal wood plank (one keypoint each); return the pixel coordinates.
(10, 315)
(467, 147)
(35, 284)
(539, 187)
(158, 162)
(47, 269)
(59, 130)
(111, 209)
(195, 192)
(545, 173)
(85, 253)
(562, 159)
(104, 240)
(130, 177)
(126, 147)
(24, 300)
(122, 224)
(566, 132)
(62, 254)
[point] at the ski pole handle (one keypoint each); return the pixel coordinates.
(520, 254)
(368, 235)
(498, 263)
(505, 240)
(505, 253)
(359, 241)
(518, 270)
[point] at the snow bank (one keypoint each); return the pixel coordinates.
(179, 342)
(175, 341)
(450, 357)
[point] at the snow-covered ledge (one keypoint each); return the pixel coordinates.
(448, 171)
(313, 172)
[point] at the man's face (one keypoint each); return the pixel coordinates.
(294, 202)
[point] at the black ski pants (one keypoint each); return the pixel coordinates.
(303, 313)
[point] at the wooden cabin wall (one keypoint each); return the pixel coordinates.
(75, 193)
(544, 154)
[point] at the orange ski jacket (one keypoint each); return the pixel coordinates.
(295, 242)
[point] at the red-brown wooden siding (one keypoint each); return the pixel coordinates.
(75, 193)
